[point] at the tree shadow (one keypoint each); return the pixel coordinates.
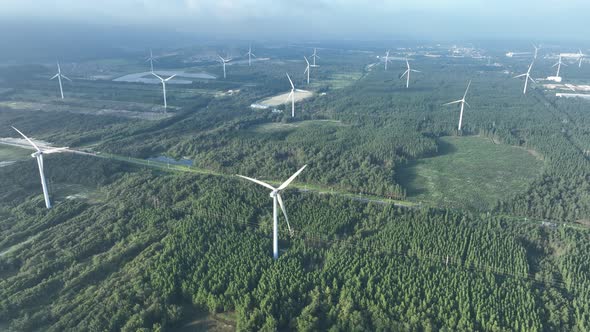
(407, 174)
(444, 148)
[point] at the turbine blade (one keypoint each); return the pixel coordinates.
(286, 183)
(289, 96)
(54, 76)
(466, 103)
(416, 71)
(28, 139)
(306, 60)
(264, 184)
(284, 213)
(468, 85)
(169, 78)
(453, 102)
(161, 79)
(404, 74)
(55, 150)
(64, 76)
(292, 86)
(521, 75)
(530, 78)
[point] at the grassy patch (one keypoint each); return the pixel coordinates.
(10, 153)
(203, 321)
(338, 81)
(470, 172)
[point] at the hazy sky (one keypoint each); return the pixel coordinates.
(436, 19)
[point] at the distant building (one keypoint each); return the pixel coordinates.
(259, 106)
(573, 95)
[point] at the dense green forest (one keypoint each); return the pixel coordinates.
(155, 249)
(162, 241)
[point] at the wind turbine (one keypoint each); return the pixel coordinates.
(386, 59)
(582, 55)
(463, 103)
(224, 61)
(59, 76)
(528, 77)
(559, 64)
(250, 55)
(292, 96)
(151, 59)
(537, 48)
(164, 87)
(314, 56)
(307, 70)
(39, 156)
(407, 72)
(276, 197)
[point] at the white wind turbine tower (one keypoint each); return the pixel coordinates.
(559, 64)
(582, 55)
(151, 59)
(249, 54)
(527, 77)
(59, 76)
(164, 87)
(463, 103)
(386, 59)
(307, 70)
(292, 96)
(276, 197)
(224, 61)
(407, 72)
(314, 56)
(39, 156)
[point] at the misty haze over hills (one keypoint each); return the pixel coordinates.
(48, 29)
(47, 40)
